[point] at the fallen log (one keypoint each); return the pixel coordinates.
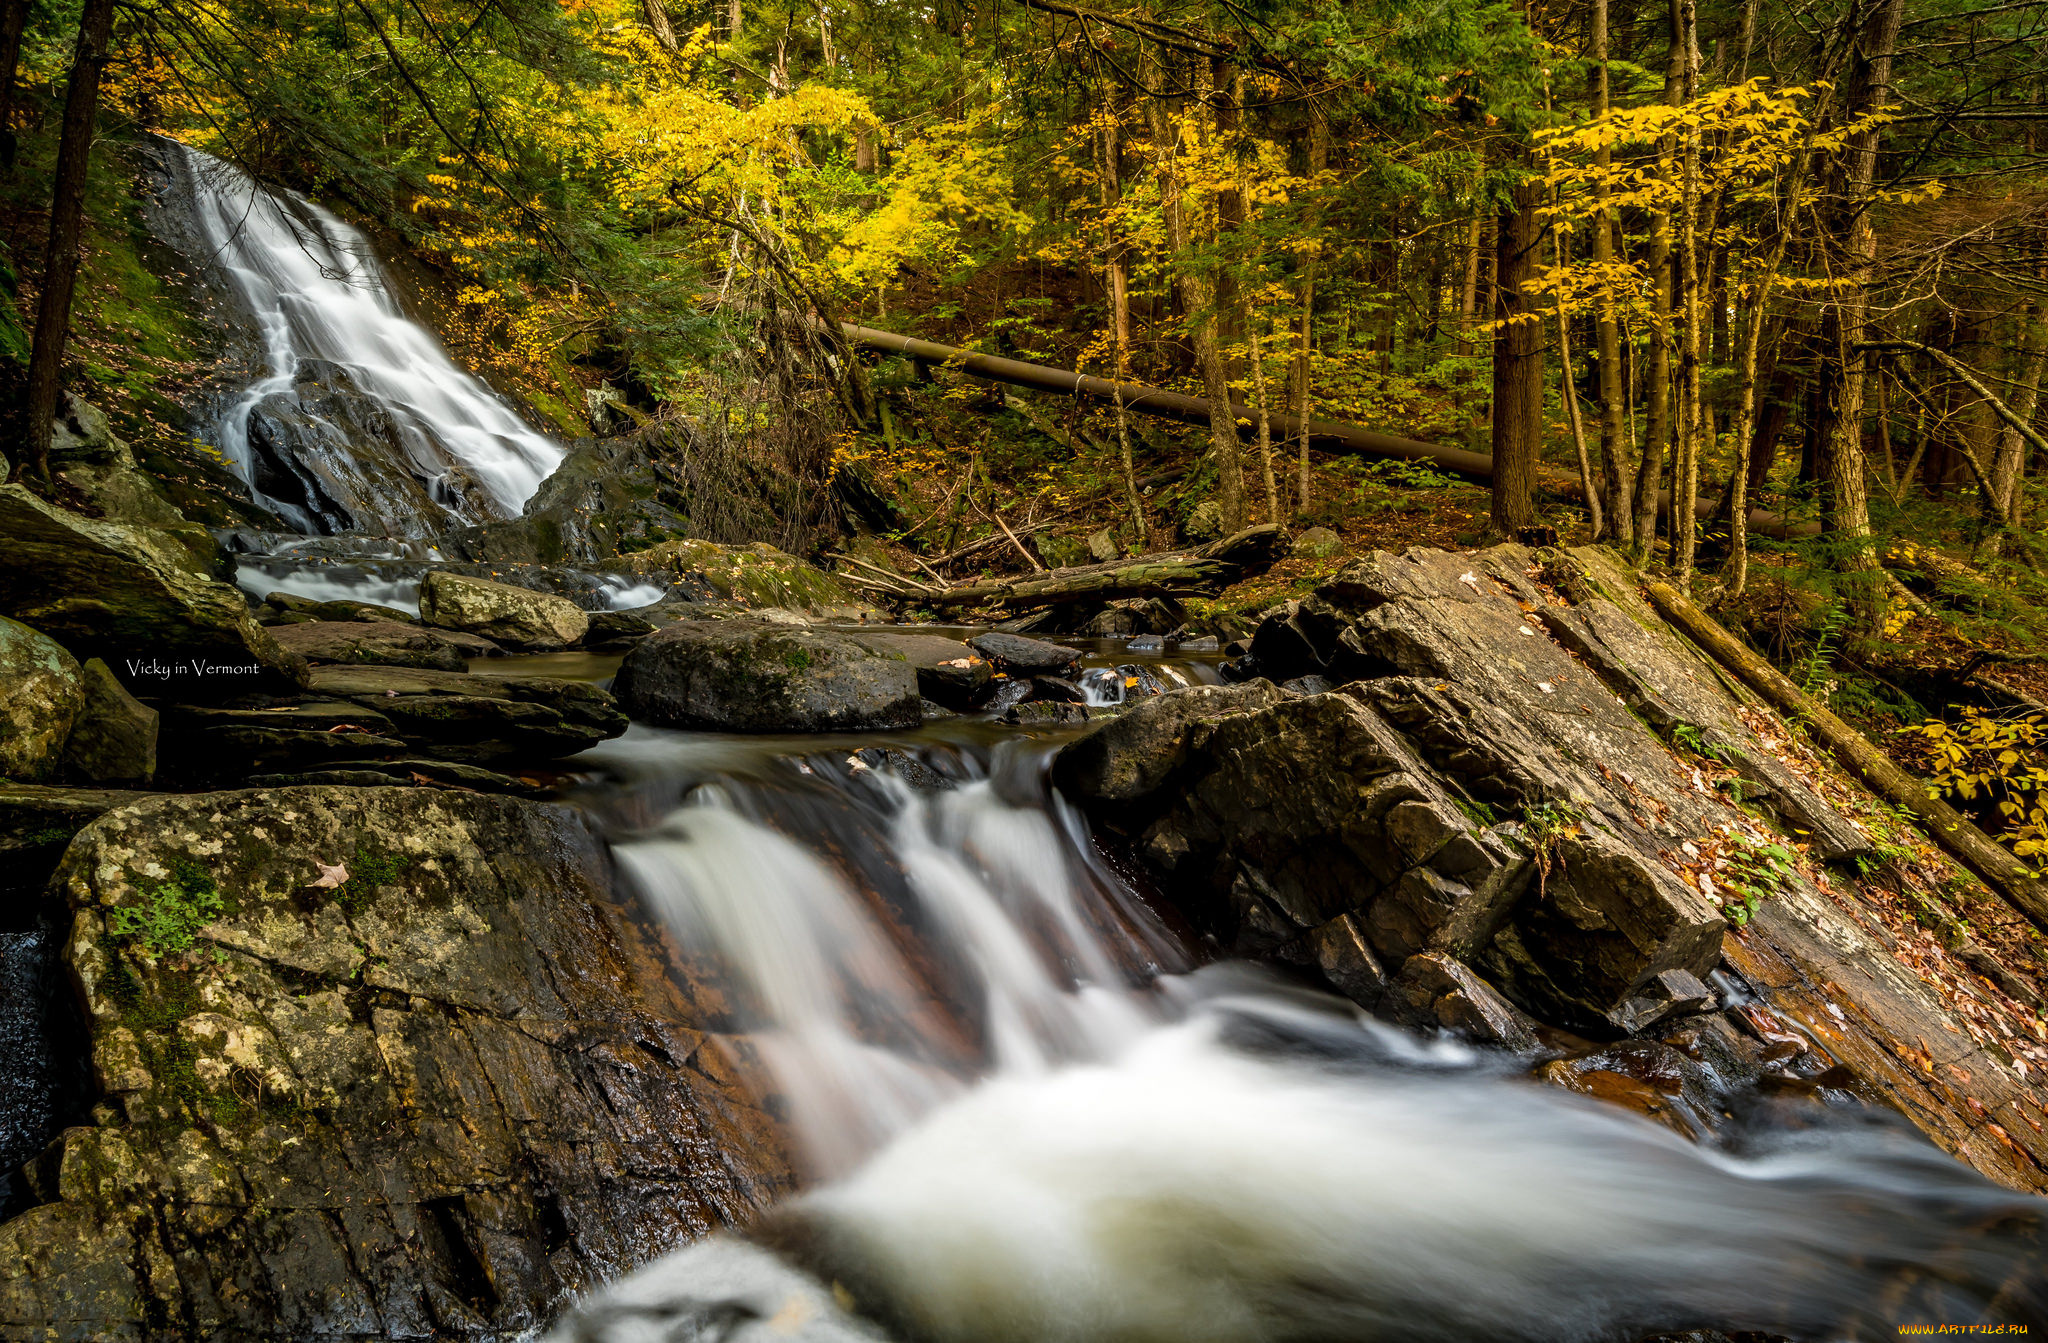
(1344, 440)
(1169, 574)
(2000, 869)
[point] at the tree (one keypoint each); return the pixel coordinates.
(64, 254)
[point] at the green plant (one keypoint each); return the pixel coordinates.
(1833, 620)
(1754, 869)
(171, 913)
(2003, 758)
(1543, 825)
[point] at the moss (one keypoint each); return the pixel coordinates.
(368, 869)
(169, 915)
(798, 659)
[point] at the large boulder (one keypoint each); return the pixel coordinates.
(375, 1063)
(1015, 655)
(127, 595)
(370, 643)
(740, 676)
(758, 575)
(609, 496)
(949, 673)
(513, 616)
(42, 692)
(114, 740)
(91, 461)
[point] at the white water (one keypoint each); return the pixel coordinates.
(1084, 1157)
(314, 287)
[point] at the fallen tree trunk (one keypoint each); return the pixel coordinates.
(2001, 870)
(1345, 440)
(1170, 574)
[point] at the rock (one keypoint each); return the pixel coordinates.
(1060, 552)
(758, 575)
(394, 773)
(1437, 992)
(1318, 543)
(42, 693)
(1307, 685)
(339, 609)
(1049, 713)
(37, 822)
(514, 616)
(1146, 643)
(432, 1101)
(1205, 523)
(125, 595)
(89, 459)
(1103, 547)
(609, 496)
(1016, 655)
(616, 630)
(739, 676)
(1345, 958)
(1200, 643)
(1132, 757)
(948, 671)
(1668, 994)
(379, 643)
(469, 646)
(1115, 622)
(1056, 690)
(1649, 1077)
(114, 740)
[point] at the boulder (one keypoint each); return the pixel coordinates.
(1318, 543)
(1103, 547)
(125, 595)
(90, 460)
(37, 822)
(513, 616)
(1437, 992)
(342, 608)
(616, 630)
(948, 672)
(609, 496)
(1205, 523)
(741, 676)
(370, 643)
(114, 740)
(1061, 552)
(758, 575)
(1132, 757)
(377, 1063)
(1015, 655)
(42, 692)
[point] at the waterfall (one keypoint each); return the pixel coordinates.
(357, 419)
(1031, 1120)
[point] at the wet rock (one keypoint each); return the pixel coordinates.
(1437, 992)
(1007, 695)
(1345, 957)
(609, 496)
(739, 676)
(414, 771)
(1115, 622)
(1018, 656)
(1649, 1077)
(948, 671)
(90, 460)
(114, 739)
(284, 603)
(1318, 543)
(1307, 685)
(1147, 643)
(433, 1100)
(1056, 689)
(514, 616)
(37, 822)
(379, 643)
(901, 765)
(1670, 993)
(1046, 713)
(1132, 757)
(1200, 643)
(42, 693)
(126, 595)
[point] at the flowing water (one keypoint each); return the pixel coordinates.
(357, 418)
(1032, 1117)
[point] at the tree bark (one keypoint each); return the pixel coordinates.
(1110, 150)
(1182, 573)
(1318, 162)
(1517, 365)
(1685, 469)
(64, 254)
(1657, 434)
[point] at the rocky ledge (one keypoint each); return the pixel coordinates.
(373, 1063)
(1529, 808)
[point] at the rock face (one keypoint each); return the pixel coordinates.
(513, 616)
(87, 457)
(114, 739)
(426, 1101)
(370, 643)
(126, 595)
(948, 672)
(42, 693)
(609, 496)
(739, 676)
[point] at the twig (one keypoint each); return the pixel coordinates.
(1028, 556)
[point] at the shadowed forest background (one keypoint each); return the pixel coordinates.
(1757, 293)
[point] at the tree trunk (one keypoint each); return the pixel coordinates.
(67, 215)
(1616, 470)
(1685, 470)
(1318, 162)
(1517, 365)
(13, 22)
(2008, 465)
(1846, 503)
(1568, 390)
(1110, 150)
(658, 23)
(1198, 295)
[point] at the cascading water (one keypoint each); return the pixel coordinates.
(1034, 1123)
(357, 418)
